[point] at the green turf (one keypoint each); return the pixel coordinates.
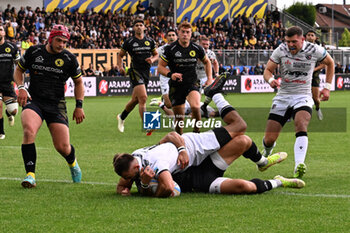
(59, 206)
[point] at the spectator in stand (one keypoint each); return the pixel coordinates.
(258, 70)
(140, 9)
(347, 70)
(10, 31)
(232, 70)
(83, 73)
(90, 71)
(151, 10)
(161, 11)
(113, 71)
(26, 43)
(339, 69)
(221, 68)
(275, 15)
(98, 72)
(170, 12)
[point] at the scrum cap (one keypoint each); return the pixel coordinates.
(59, 30)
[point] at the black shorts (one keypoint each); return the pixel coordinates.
(6, 89)
(178, 94)
(198, 178)
(138, 77)
(315, 79)
(51, 113)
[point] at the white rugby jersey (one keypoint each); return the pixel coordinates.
(159, 157)
(161, 52)
(200, 66)
(296, 70)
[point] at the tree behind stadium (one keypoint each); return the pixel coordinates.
(304, 12)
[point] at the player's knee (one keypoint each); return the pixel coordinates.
(28, 133)
(244, 141)
(12, 107)
(63, 148)
(142, 99)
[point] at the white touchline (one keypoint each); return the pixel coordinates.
(59, 181)
(276, 192)
(314, 195)
(19, 147)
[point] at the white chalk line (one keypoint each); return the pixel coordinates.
(59, 181)
(105, 183)
(19, 147)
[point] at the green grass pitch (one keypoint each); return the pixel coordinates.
(57, 205)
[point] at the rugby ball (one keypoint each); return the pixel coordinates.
(153, 185)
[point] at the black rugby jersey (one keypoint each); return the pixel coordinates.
(139, 50)
(49, 72)
(9, 53)
(183, 60)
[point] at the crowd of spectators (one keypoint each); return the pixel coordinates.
(100, 30)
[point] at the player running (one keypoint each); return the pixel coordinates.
(143, 53)
(297, 59)
(315, 83)
(9, 55)
(181, 57)
(49, 67)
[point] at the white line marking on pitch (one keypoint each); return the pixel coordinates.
(105, 183)
(314, 194)
(19, 147)
(60, 181)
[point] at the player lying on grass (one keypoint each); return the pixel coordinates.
(198, 161)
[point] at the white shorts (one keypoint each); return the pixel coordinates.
(164, 84)
(281, 103)
(200, 146)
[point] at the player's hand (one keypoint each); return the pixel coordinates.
(149, 60)
(324, 94)
(208, 82)
(275, 84)
(146, 174)
(183, 159)
(176, 77)
(22, 97)
(78, 115)
(125, 192)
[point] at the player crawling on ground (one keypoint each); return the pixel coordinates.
(197, 162)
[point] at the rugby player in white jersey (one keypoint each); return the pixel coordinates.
(297, 59)
(311, 37)
(202, 76)
(164, 81)
(198, 161)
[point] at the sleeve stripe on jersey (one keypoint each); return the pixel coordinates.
(273, 61)
(20, 66)
(163, 58)
(77, 76)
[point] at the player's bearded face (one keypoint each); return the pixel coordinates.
(58, 44)
(139, 28)
(185, 35)
(294, 43)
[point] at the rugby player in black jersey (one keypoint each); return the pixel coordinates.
(181, 57)
(49, 67)
(143, 53)
(9, 55)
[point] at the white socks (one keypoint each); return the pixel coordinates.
(220, 102)
(300, 149)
